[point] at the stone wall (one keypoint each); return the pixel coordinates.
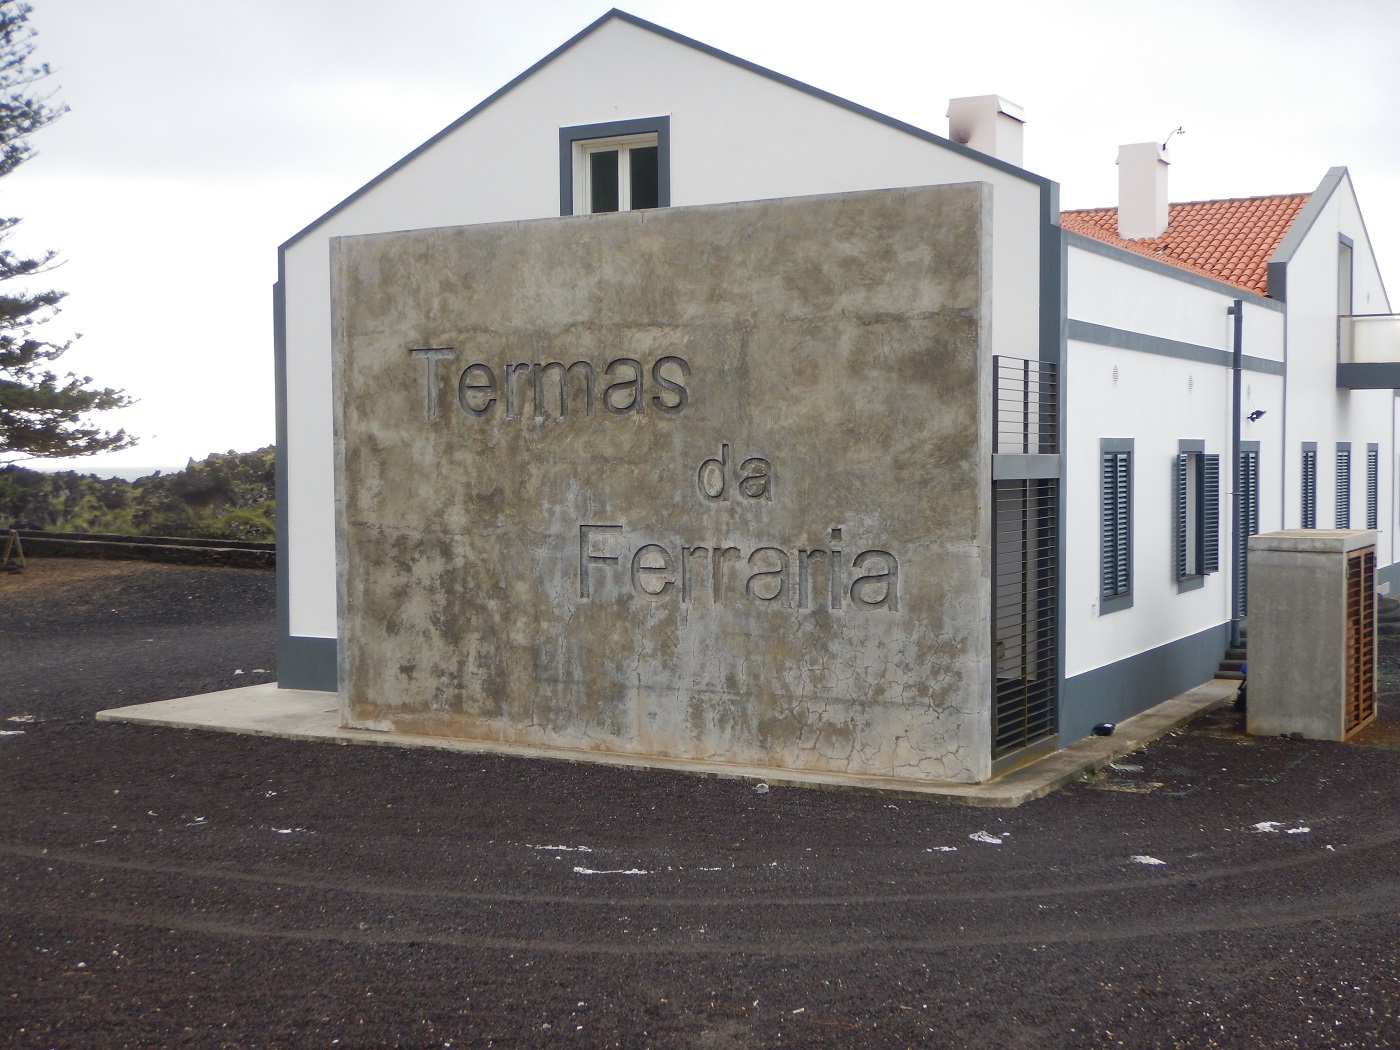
(705, 483)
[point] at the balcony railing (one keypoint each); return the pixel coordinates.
(1370, 339)
(1368, 351)
(1027, 399)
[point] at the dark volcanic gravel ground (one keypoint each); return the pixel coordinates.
(168, 888)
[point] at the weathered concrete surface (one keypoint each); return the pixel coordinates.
(779, 387)
(1298, 631)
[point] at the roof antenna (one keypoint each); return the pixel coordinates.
(1178, 131)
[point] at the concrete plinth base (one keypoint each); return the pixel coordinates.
(294, 714)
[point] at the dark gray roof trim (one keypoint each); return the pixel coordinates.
(1302, 224)
(1293, 239)
(1176, 273)
(1317, 200)
(724, 56)
(1102, 335)
(507, 88)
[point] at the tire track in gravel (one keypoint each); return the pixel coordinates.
(1347, 907)
(294, 880)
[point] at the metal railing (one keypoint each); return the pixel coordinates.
(1025, 555)
(1026, 406)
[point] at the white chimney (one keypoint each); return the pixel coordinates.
(989, 124)
(1142, 190)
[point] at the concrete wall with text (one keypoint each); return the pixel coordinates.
(705, 483)
(503, 165)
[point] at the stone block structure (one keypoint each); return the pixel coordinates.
(705, 483)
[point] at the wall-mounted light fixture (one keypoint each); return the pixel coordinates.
(1256, 415)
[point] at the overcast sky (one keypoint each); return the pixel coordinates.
(203, 133)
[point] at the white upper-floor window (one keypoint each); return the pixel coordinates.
(617, 175)
(621, 165)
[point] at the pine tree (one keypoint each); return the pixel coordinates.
(41, 413)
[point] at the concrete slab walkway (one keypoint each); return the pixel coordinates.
(294, 714)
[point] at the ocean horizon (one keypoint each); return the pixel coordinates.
(125, 473)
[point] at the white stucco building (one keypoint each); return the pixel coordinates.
(1185, 375)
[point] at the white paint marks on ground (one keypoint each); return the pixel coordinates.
(1125, 767)
(982, 836)
(20, 718)
(1273, 827)
(11, 732)
(289, 831)
(1142, 858)
(941, 849)
(561, 849)
(615, 871)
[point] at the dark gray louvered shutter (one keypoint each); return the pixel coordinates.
(1115, 526)
(1309, 488)
(1210, 513)
(1373, 483)
(1249, 525)
(1344, 488)
(1183, 480)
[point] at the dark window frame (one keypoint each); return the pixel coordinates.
(1346, 275)
(572, 137)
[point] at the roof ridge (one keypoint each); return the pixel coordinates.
(1212, 200)
(1230, 239)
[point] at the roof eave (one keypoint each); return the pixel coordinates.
(714, 52)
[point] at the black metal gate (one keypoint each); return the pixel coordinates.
(1025, 629)
(1026, 543)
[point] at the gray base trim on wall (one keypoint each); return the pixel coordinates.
(1120, 690)
(306, 663)
(1368, 375)
(1390, 574)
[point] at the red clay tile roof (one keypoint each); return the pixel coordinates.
(1230, 240)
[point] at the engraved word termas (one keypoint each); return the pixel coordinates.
(553, 389)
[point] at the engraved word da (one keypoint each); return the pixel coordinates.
(752, 480)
